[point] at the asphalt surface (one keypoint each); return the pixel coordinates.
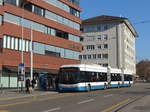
(129, 99)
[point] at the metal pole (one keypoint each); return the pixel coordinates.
(22, 55)
(31, 54)
(22, 58)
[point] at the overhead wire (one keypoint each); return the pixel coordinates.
(142, 22)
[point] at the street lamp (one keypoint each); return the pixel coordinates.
(22, 55)
(31, 54)
(31, 44)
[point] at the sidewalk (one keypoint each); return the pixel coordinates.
(141, 105)
(10, 94)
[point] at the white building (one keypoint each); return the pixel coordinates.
(109, 41)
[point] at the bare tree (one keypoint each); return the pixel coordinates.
(143, 69)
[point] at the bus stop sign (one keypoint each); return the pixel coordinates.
(21, 69)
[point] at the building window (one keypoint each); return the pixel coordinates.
(74, 38)
(94, 56)
(1, 19)
(27, 49)
(76, 2)
(80, 57)
(99, 56)
(62, 34)
(38, 27)
(105, 27)
(99, 28)
(39, 11)
(105, 36)
(8, 42)
(20, 44)
(12, 43)
(84, 57)
(89, 56)
(4, 42)
(1, 43)
(39, 48)
(51, 53)
(27, 6)
(14, 2)
(90, 47)
(99, 46)
(53, 32)
(61, 20)
(1, 2)
(74, 12)
(105, 56)
(12, 19)
(16, 44)
(105, 46)
(99, 37)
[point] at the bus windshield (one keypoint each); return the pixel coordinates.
(68, 75)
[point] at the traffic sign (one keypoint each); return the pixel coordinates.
(21, 69)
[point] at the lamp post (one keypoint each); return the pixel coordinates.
(22, 54)
(31, 54)
(22, 42)
(22, 35)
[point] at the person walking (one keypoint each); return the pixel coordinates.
(28, 85)
(33, 83)
(56, 83)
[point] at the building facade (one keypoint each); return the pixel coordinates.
(109, 41)
(50, 28)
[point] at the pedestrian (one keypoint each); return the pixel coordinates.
(56, 83)
(33, 83)
(28, 85)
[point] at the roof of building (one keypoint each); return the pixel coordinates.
(104, 19)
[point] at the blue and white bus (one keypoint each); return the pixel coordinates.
(83, 77)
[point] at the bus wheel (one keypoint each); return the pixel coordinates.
(89, 88)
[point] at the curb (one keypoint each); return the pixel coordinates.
(27, 95)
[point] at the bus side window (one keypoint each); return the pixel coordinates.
(82, 76)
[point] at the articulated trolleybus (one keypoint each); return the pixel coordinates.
(83, 77)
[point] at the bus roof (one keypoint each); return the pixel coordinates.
(87, 67)
(95, 68)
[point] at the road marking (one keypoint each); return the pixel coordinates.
(53, 109)
(108, 95)
(85, 101)
(36, 99)
(3, 111)
(55, 97)
(13, 104)
(26, 96)
(115, 106)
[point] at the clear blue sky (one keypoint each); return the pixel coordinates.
(134, 10)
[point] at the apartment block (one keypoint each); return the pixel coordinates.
(109, 41)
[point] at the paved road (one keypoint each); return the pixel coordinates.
(110, 100)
